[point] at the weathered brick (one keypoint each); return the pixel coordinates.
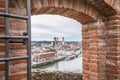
(112, 76)
(2, 67)
(2, 74)
(85, 78)
(112, 27)
(2, 48)
(17, 46)
(2, 10)
(112, 18)
(2, 40)
(111, 70)
(2, 3)
(16, 32)
(2, 55)
(18, 61)
(18, 25)
(2, 21)
(86, 67)
(18, 76)
(2, 30)
(111, 64)
(12, 4)
(112, 53)
(19, 52)
(112, 44)
(113, 23)
(17, 68)
(111, 48)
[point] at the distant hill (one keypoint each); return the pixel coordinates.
(39, 42)
(73, 42)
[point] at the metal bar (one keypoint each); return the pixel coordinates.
(7, 37)
(13, 58)
(13, 16)
(6, 42)
(28, 10)
(10, 41)
(24, 42)
(13, 37)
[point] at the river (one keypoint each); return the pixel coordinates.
(74, 65)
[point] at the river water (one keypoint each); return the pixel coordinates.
(74, 65)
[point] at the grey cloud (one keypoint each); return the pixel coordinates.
(50, 26)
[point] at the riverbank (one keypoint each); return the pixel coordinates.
(52, 61)
(74, 65)
(55, 75)
(48, 62)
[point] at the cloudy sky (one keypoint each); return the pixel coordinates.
(45, 27)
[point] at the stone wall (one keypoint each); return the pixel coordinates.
(55, 75)
(100, 33)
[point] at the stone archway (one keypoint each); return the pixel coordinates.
(100, 34)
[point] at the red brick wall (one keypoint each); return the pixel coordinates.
(18, 68)
(93, 45)
(113, 47)
(2, 46)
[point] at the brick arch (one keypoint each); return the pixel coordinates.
(80, 17)
(79, 10)
(100, 19)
